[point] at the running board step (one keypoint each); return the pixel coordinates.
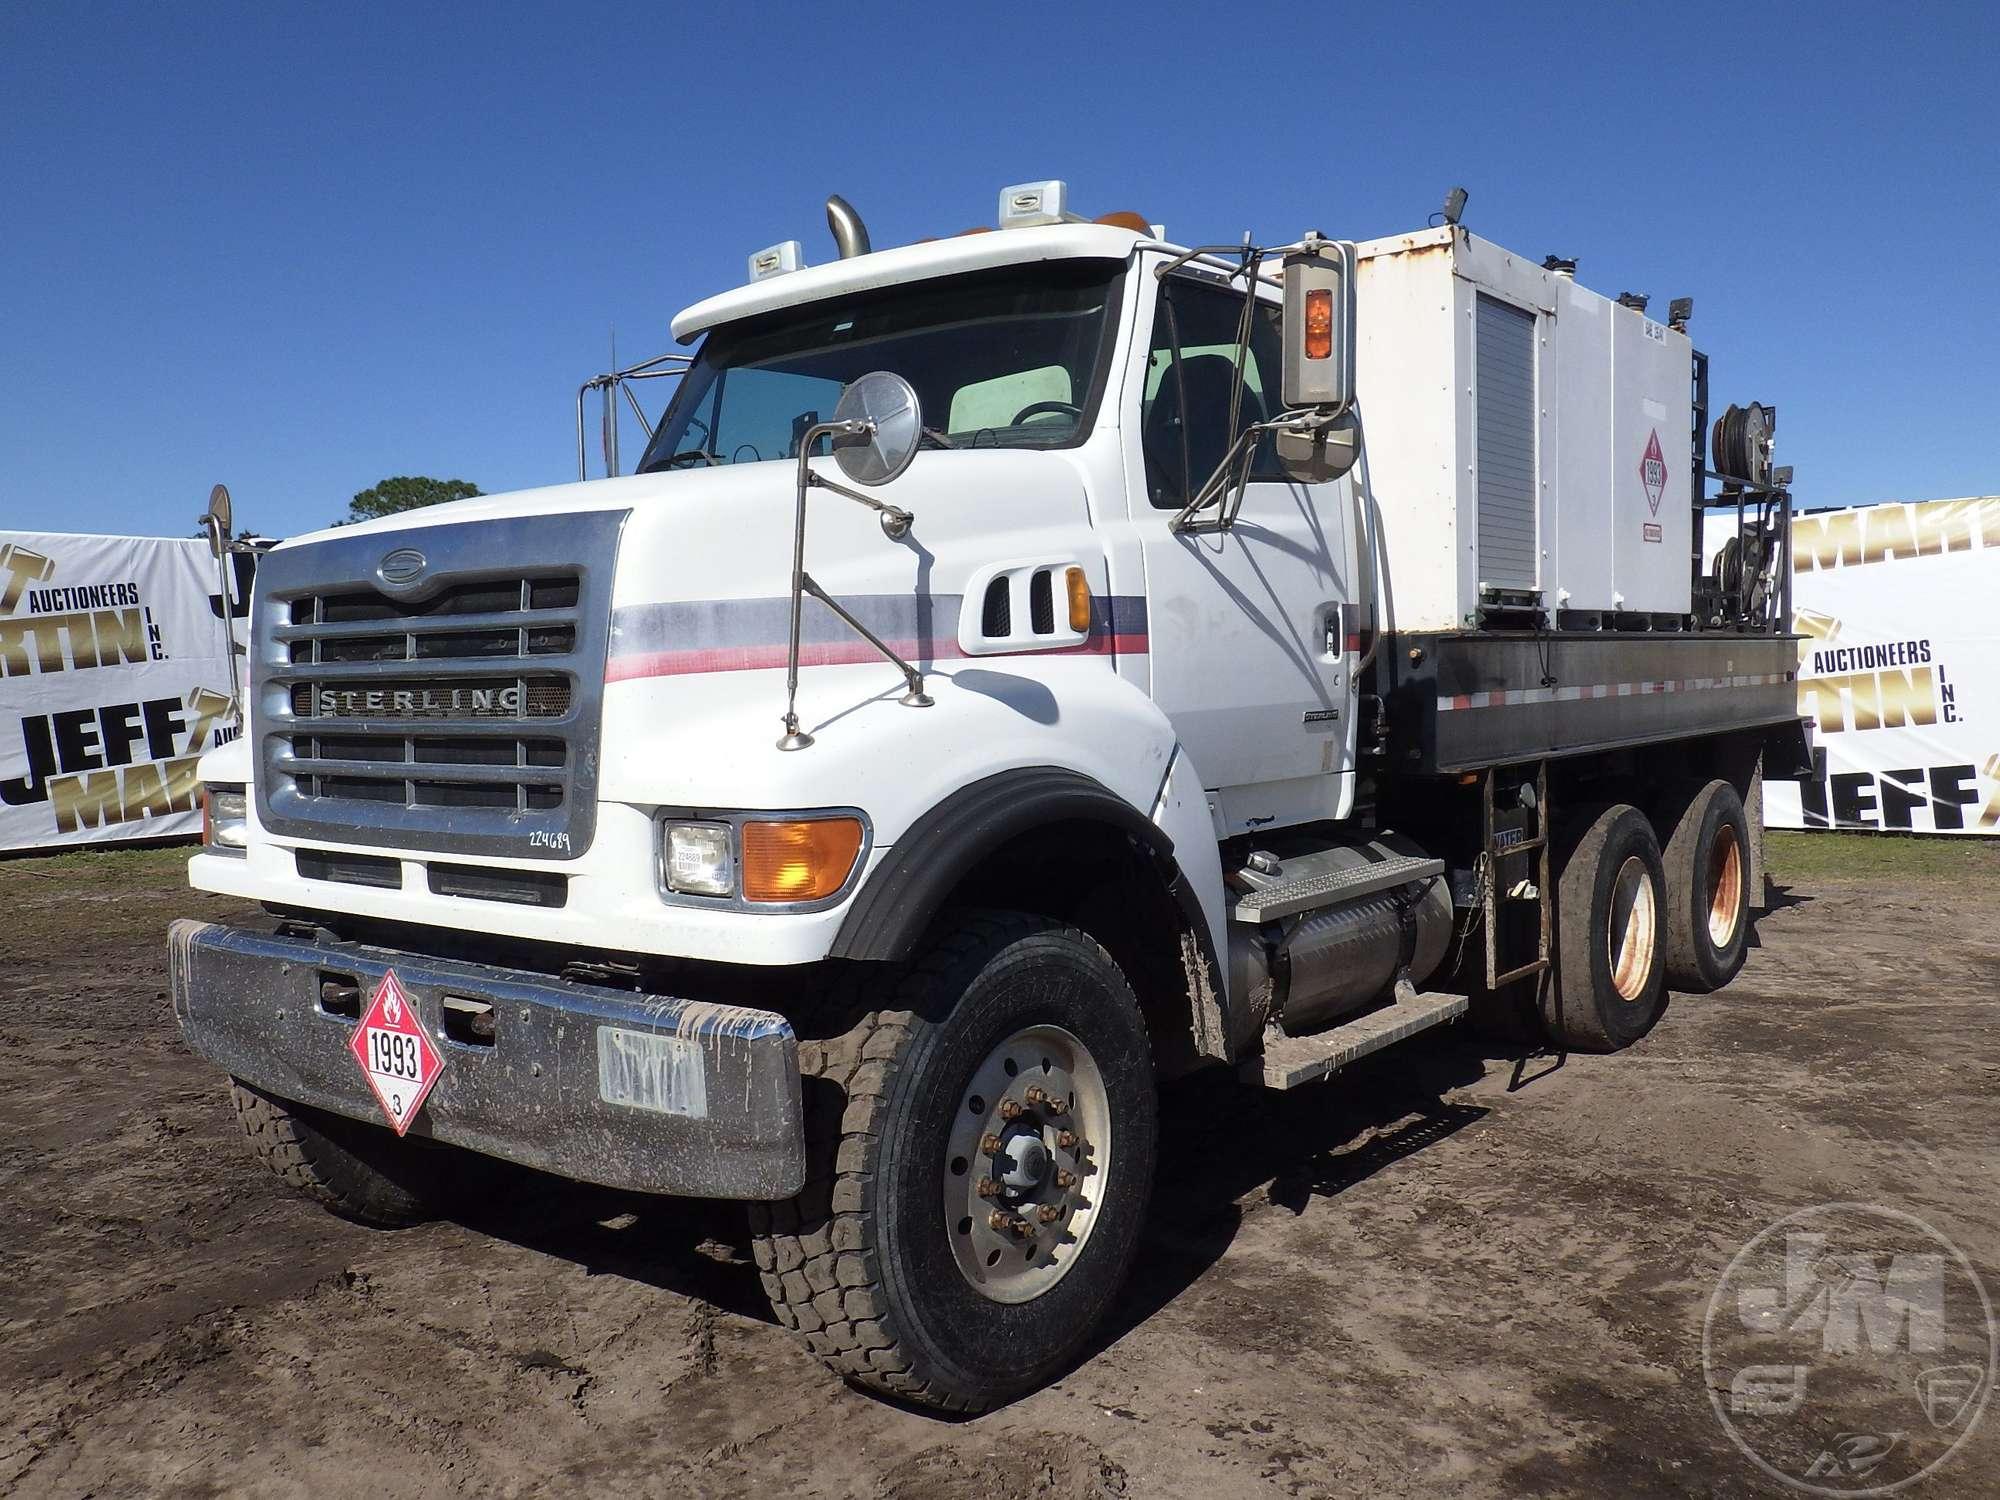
(1314, 891)
(1291, 1061)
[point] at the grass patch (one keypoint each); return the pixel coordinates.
(1823, 854)
(155, 864)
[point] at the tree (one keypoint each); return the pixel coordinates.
(406, 492)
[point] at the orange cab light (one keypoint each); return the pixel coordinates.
(1319, 324)
(806, 860)
(1079, 601)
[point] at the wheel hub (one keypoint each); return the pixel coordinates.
(1023, 1161)
(1631, 938)
(1026, 1162)
(1725, 888)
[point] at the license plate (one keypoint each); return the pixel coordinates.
(645, 1070)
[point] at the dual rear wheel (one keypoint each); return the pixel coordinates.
(1633, 918)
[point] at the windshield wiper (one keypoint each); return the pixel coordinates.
(711, 459)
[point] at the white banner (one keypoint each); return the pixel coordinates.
(114, 677)
(1898, 670)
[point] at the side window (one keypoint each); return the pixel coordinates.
(1191, 376)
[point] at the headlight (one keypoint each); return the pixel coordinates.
(700, 859)
(767, 860)
(225, 818)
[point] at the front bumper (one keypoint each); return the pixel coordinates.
(553, 1087)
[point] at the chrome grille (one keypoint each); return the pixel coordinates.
(458, 712)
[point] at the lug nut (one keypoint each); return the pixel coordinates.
(1010, 1109)
(989, 1144)
(1036, 1094)
(1048, 1213)
(1065, 1178)
(1066, 1139)
(1000, 1220)
(988, 1188)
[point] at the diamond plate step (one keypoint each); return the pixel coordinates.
(1314, 891)
(1288, 1062)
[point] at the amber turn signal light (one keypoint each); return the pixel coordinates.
(1319, 324)
(807, 860)
(1079, 601)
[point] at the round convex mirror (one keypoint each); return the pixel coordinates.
(886, 401)
(219, 511)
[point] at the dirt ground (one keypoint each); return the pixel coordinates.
(1418, 1280)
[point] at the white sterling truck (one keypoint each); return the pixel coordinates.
(1025, 666)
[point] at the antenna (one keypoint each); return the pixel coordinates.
(1454, 205)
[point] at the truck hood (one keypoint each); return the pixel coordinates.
(726, 532)
(555, 499)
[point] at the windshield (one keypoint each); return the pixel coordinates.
(1012, 358)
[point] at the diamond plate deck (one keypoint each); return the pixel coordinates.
(1294, 896)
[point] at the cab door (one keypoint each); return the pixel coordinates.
(1248, 627)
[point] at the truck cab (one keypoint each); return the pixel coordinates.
(860, 825)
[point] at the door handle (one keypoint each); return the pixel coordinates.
(1333, 630)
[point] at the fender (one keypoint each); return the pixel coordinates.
(227, 762)
(894, 907)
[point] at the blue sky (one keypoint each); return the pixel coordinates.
(301, 247)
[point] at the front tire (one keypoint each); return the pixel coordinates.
(1610, 987)
(358, 1171)
(1012, 1054)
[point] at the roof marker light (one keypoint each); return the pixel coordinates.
(776, 260)
(1030, 203)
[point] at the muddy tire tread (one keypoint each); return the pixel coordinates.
(820, 1286)
(304, 1161)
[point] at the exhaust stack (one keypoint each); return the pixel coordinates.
(850, 235)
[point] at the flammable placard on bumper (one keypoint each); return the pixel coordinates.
(603, 1085)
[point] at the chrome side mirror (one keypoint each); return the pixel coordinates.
(876, 427)
(216, 521)
(1316, 450)
(892, 421)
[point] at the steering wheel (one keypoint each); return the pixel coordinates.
(1038, 408)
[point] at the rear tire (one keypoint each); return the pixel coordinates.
(358, 1171)
(880, 1264)
(1707, 862)
(1609, 987)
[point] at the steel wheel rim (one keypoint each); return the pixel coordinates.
(1017, 1219)
(1632, 935)
(1725, 887)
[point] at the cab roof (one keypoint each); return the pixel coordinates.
(919, 262)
